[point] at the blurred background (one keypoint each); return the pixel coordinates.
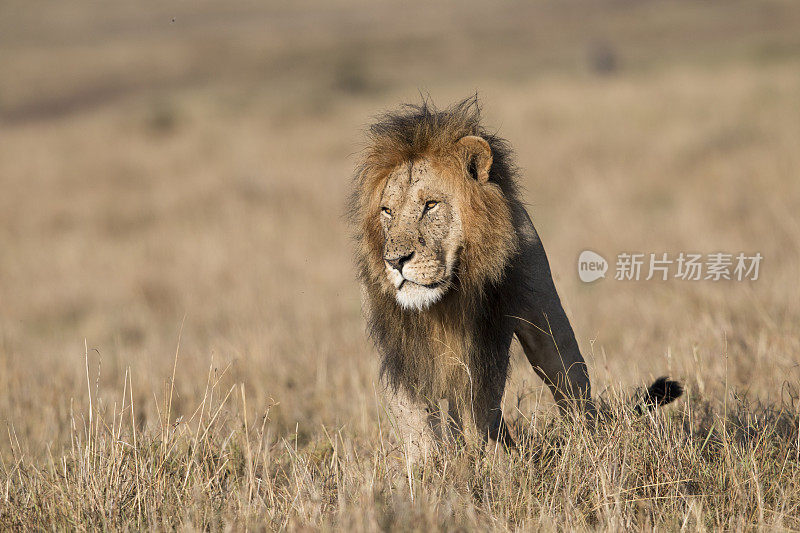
(178, 170)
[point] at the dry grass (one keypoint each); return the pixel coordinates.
(163, 180)
(220, 468)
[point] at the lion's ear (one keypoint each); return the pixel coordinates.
(479, 156)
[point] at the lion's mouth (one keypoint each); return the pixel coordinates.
(431, 286)
(408, 285)
(419, 296)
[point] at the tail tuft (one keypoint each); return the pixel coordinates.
(661, 392)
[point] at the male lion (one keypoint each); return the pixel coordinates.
(451, 268)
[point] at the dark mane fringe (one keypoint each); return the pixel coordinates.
(422, 129)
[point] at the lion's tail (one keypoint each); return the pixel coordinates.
(661, 392)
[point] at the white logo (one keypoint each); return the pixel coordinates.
(685, 266)
(591, 266)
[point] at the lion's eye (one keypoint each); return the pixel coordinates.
(386, 212)
(430, 204)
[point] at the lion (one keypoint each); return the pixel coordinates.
(451, 269)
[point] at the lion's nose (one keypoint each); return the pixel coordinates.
(398, 262)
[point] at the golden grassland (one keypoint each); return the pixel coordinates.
(181, 344)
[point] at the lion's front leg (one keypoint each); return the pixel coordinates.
(546, 334)
(411, 422)
(487, 410)
(550, 346)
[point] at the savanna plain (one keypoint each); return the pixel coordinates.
(181, 341)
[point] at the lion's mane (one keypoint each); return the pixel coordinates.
(452, 347)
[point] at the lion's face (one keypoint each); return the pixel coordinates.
(422, 230)
(432, 222)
